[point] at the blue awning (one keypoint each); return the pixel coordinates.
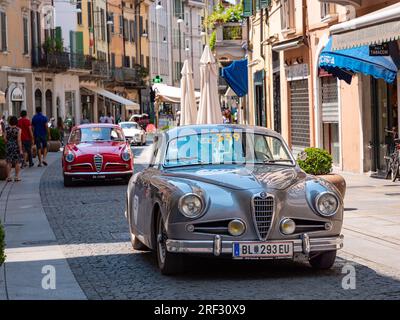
(343, 63)
(236, 77)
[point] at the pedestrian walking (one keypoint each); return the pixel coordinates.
(102, 118)
(14, 152)
(40, 133)
(109, 118)
(26, 137)
(60, 127)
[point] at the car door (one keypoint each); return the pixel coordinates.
(143, 196)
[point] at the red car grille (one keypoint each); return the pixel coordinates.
(81, 168)
(98, 162)
(111, 167)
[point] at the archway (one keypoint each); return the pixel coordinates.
(38, 98)
(49, 104)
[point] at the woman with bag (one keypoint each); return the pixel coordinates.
(14, 151)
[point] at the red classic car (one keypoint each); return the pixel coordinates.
(97, 152)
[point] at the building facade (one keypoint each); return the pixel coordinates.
(292, 91)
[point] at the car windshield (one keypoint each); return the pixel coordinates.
(131, 125)
(227, 148)
(94, 134)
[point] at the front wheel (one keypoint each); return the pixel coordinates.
(68, 181)
(323, 260)
(168, 263)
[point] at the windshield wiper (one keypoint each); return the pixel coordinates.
(276, 161)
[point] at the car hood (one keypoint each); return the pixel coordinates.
(92, 148)
(243, 178)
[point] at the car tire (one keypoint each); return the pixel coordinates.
(323, 260)
(168, 263)
(68, 181)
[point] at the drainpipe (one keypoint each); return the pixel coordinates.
(123, 33)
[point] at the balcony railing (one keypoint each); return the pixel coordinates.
(130, 76)
(62, 61)
(100, 69)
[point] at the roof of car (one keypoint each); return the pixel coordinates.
(194, 129)
(94, 125)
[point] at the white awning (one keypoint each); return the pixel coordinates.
(374, 28)
(165, 93)
(129, 105)
(2, 97)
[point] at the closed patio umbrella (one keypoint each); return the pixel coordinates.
(209, 109)
(188, 99)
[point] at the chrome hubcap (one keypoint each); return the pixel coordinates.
(161, 239)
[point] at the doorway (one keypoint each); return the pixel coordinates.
(38, 98)
(49, 104)
(384, 117)
(259, 99)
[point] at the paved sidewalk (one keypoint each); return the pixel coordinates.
(31, 247)
(372, 220)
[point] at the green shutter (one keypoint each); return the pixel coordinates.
(79, 42)
(264, 3)
(247, 8)
(257, 5)
(58, 34)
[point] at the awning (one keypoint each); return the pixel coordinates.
(169, 94)
(374, 28)
(230, 93)
(343, 63)
(2, 97)
(236, 77)
(129, 105)
(288, 44)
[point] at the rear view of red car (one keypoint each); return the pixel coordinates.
(97, 152)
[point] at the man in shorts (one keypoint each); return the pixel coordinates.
(40, 132)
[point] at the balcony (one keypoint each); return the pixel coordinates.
(230, 42)
(62, 62)
(100, 69)
(131, 77)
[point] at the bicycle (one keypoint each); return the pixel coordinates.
(393, 160)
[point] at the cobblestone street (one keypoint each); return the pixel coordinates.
(90, 226)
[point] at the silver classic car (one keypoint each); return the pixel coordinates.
(231, 191)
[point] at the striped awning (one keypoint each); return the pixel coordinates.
(374, 28)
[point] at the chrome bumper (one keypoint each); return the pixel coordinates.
(117, 173)
(216, 247)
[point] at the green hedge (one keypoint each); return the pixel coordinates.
(315, 161)
(2, 245)
(2, 148)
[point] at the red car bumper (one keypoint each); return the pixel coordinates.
(99, 175)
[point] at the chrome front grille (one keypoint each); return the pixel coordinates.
(263, 210)
(98, 162)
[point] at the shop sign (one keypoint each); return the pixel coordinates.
(17, 95)
(379, 50)
(297, 72)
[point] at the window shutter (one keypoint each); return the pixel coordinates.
(79, 42)
(247, 8)
(264, 3)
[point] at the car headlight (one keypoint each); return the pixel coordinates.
(236, 227)
(288, 226)
(326, 204)
(191, 205)
(69, 157)
(126, 156)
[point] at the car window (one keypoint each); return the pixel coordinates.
(93, 134)
(226, 148)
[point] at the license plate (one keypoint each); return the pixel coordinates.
(263, 250)
(99, 177)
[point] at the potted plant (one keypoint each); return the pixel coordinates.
(318, 162)
(54, 143)
(3, 163)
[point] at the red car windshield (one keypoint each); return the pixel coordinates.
(94, 134)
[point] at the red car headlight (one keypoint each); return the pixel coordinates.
(126, 156)
(70, 157)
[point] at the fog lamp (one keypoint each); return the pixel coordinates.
(288, 226)
(236, 228)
